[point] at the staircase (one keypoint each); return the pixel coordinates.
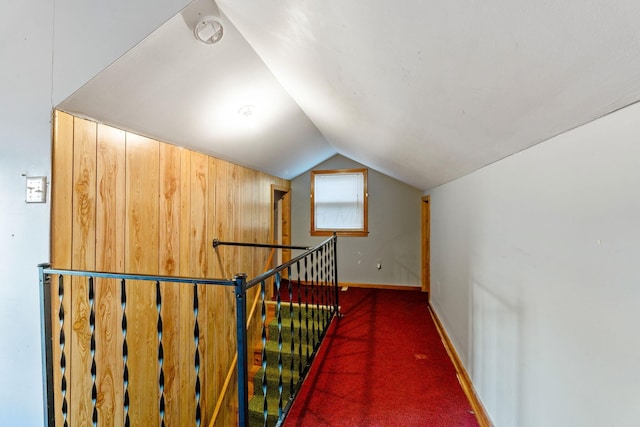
(300, 327)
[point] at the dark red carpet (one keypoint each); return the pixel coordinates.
(382, 364)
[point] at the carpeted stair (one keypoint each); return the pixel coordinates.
(305, 334)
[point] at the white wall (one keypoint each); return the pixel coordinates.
(535, 265)
(394, 229)
(25, 140)
(26, 46)
(90, 35)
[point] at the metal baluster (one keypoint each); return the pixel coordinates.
(196, 363)
(320, 286)
(63, 357)
(326, 288)
(330, 281)
(279, 317)
(319, 291)
(329, 287)
(160, 354)
(299, 319)
(292, 348)
(125, 352)
(323, 282)
(327, 278)
(335, 273)
(314, 291)
(333, 286)
(306, 305)
(92, 349)
(265, 408)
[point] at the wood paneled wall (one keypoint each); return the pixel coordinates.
(125, 203)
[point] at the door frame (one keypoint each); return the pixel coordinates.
(426, 243)
(285, 225)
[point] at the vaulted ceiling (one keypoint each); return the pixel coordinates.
(423, 91)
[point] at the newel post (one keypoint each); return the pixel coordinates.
(241, 332)
(46, 343)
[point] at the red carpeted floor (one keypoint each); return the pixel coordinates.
(382, 364)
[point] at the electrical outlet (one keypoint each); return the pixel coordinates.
(36, 189)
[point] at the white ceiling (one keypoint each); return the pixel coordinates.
(423, 91)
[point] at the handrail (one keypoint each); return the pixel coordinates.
(256, 280)
(147, 277)
(217, 243)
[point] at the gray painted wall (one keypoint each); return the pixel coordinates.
(535, 275)
(394, 229)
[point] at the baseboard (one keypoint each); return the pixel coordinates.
(463, 376)
(371, 286)
(380, 286)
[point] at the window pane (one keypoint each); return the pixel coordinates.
(339, 201)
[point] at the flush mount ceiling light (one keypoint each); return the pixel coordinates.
(247, 111)
(208, 30)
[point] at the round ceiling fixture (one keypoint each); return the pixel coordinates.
(208, 30)
(247, 111)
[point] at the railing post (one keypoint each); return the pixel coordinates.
(46, 343)
(241, 327)
(335, 271)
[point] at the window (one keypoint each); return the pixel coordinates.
(339, 202)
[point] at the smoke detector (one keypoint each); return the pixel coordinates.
(208, 30)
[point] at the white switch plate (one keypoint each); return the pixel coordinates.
(36, 189)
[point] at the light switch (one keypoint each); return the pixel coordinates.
(36, 189)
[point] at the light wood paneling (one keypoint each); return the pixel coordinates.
(199, 204)
(142, 187)
(169, 220)
(169, 264)
(231, 211)
(110, 227)
(187, 395)
(220, 312)
(199, 181)
(62, 191)
(110, 210)
(84, 195)
(122, 202)
(83, 257)
(212, 174)
(61, 240)
(216, 310)
(142, 205)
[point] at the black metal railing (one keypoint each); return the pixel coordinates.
(85, 285)
(304, 303)
(310, 291)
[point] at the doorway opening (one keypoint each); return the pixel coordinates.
(426, 234)
(281, 223)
